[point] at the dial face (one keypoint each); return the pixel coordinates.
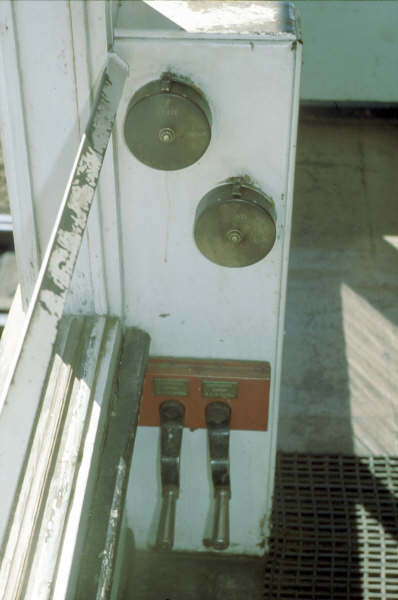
(167, 126)
(234, 231)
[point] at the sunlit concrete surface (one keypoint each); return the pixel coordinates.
(340, 372)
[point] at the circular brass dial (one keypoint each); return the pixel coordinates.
(167, 125)
(234, 226)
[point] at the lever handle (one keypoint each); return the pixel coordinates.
(220, 536)
(171, 414)
(218, 417)
(165, 539)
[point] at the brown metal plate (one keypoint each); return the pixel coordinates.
(243, 385)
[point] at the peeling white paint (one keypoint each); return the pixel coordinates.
(20, 392)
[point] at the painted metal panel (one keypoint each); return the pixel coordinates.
(189, 306)
(165, 274)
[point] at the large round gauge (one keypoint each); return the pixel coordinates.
(234, 225)
(168, 125)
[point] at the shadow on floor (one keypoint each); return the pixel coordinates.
(334, 537)
(334, 529)
(184, 576)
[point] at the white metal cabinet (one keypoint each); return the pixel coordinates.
(246, 61)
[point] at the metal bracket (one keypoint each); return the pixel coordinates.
(218, 418)
(171, 428)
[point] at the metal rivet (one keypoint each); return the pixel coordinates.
(167, 135)
(234, 236)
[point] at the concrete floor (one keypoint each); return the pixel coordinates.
(190, 577)
(340, 376)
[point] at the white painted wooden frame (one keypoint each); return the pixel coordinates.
(73, 416)
(51, 58)
(21, 389)
(16, 154)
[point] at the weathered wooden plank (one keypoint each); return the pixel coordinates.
(60, 487)
(33, 486)
(76, 526)
(21, 391)
(112, 533)
(96, 571)
(45, 528)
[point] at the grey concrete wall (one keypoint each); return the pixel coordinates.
(350, 50)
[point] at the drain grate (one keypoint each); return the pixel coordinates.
(335, 529)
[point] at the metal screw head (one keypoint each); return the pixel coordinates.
(167, 135)
(171, 410)
(234, 236)
(218, 413)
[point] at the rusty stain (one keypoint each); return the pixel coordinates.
(166, 181)
(262, 525)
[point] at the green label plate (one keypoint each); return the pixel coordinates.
(219, 389)
(163, 386)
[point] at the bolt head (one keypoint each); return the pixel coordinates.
(167, 135)
(234, 236)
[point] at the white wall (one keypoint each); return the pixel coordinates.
(350, 50)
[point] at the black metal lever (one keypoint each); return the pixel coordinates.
(218, 417)
(171, 428)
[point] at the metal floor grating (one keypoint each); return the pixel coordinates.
(335, 529)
